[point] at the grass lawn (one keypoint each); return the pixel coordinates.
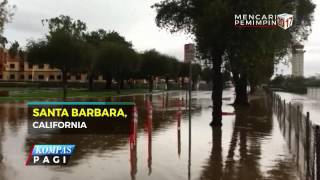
(20, 94)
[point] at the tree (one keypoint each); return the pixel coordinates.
(264, 47)
(153, 64)
(171, 68)
(3, 41)
(93, 40)
(200, 17)
(196, 72)
(14, 49)
(206, 75)
(6, 13)
(118, 60)
(62, 48)
(211, 22)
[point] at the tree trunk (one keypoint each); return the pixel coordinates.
(252, 86)
(182, 83)
(108, 81)
(241, 89)
(64, 84)
(217, 89)
(167, 83)
(90, 78)
(121, 83)
(118, 86)
(150, 83)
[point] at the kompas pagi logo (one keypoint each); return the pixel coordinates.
(263, 20)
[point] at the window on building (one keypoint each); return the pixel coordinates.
(41, 77)
(41, 66)
(69, 77)
(22, 66)
(12, 76)
(30, 66)
(12, 66)
(30, 77)
(51, 77)
(22, 77)
(1, 76)
(59, 77)
(78, 77)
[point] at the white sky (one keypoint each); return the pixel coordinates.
(133, 19)
(312, 48)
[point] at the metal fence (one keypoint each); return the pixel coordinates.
(302, 136)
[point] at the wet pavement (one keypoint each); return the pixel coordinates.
(248, 146)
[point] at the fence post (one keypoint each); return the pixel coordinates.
(307, 147)
(290, 126)
(317, 151)
(284, 118)
(298, 132)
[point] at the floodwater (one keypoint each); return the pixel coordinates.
(248, 146)
(309, 102)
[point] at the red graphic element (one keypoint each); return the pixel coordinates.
(30, 155)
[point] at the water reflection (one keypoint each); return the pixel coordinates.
(148, 128)
(252, 127)
(158, 147)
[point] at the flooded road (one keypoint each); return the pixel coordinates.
(248, 146)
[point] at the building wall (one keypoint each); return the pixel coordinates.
(298, 63)
(16, 69)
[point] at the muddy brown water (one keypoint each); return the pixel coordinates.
(248, 146)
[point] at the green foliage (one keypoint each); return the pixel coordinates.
(3, 41)
(63, 47)
(206, 74)
(117, 59)
(6, 14)
(14, 49)
(153, 64)
(290, 84)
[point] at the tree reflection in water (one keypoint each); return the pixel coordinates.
(251, 127)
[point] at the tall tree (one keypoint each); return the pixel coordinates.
(14, 49)
(153, 65)
(6, 13)
(62, 48)
(211, 23)
(118, 60)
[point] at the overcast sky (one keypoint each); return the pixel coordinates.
(133, 19)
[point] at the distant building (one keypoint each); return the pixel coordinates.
(189, 53)
(17, 69)
(297, 60)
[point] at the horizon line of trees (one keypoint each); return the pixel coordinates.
(68, 46)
